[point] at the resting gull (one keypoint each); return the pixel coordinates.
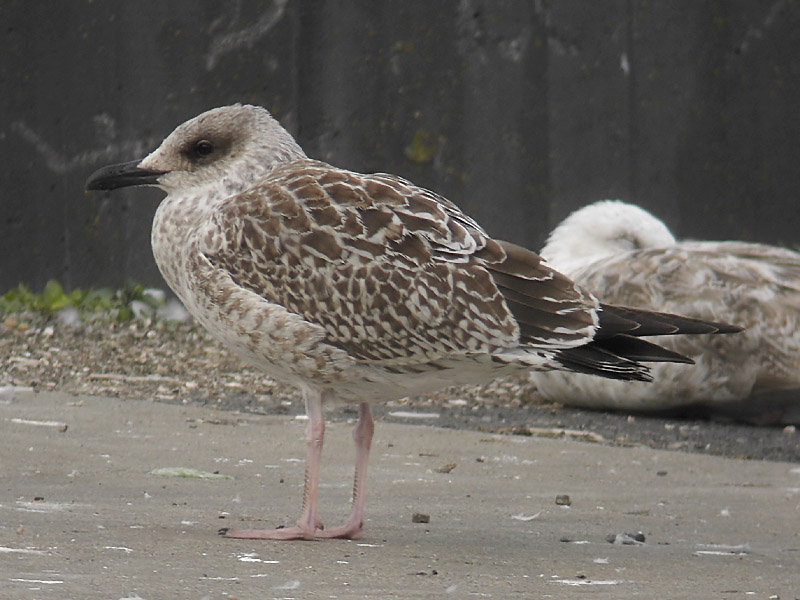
(358, 287)
(626, 255)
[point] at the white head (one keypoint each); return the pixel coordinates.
(600, 230)
(231, 147)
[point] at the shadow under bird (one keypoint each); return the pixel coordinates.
(361, 288)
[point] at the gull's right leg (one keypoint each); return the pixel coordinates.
(308, 525)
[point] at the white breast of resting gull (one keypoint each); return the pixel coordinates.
(627, 256)
(358, 287)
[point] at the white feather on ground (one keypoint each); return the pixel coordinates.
(626, 256)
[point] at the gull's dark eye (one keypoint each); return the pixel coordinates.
(203, 148)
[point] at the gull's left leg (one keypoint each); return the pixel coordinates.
(362, 436)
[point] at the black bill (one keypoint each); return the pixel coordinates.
(122, 175)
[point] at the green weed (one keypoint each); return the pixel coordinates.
(118, 303)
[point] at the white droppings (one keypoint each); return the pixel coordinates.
(402, 414)
(522, 517)
(722, 550)
(587, 582)
(255, 558)
(743, 547)
(718, 553)
(46, 507)
(38, 423)
(5, 550)
(121, 548)
(187, 472)
(292, 584)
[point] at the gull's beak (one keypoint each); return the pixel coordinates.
(122, 175)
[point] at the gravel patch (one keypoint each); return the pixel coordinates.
(177, 362)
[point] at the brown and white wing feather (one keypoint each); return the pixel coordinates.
(393, 273)
(396, 275)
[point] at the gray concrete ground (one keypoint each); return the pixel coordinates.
(82, 516)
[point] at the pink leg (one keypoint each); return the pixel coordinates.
(362, 435)
(308, 524)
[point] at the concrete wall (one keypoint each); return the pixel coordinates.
(517, 111)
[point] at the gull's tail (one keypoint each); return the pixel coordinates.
(617, 347)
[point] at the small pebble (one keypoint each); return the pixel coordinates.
(563, 500)
(420, 518)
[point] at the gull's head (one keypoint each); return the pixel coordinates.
(230, 147)
(601, 230)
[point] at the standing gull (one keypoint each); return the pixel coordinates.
(360, 288)
(626, 255)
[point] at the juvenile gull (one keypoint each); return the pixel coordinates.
(360, 288)
(626, 255)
